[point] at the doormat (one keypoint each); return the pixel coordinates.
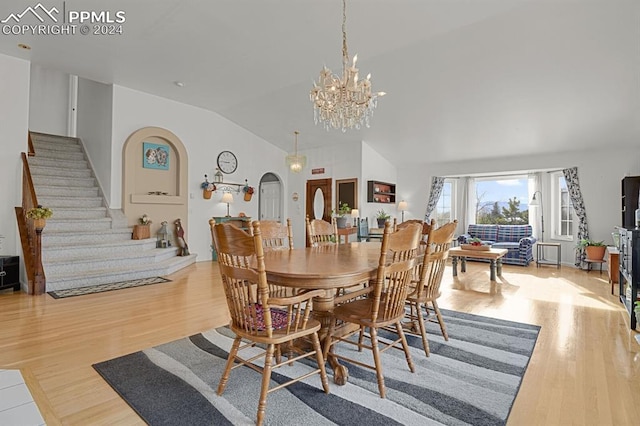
(80, 291)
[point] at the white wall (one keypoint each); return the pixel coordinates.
(599, 172)
(339, 162)
(376, 167)
(14, 122)
(95, 105)
(204, 135)
(49, 101)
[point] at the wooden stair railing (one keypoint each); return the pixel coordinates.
(30, 237)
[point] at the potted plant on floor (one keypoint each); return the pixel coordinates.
(341, 213)
(382, 217)
(594, 250)
(39, 215)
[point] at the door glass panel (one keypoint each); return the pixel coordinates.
(318, 204)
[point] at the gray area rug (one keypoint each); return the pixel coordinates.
(80, 291)
(471, 379)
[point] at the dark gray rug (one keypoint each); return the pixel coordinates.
(471, 379)
(80, 291)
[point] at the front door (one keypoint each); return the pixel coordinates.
(318, 200)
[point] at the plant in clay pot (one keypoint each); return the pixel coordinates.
(207, 188)
(594, 250)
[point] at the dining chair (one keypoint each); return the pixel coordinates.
(276, 235)
(321, 232)
(259, 318)
(363, 229)
(426, 289)
(384, 305)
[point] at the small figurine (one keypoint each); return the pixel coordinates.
(184, 248)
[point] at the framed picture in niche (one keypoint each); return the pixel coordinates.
(155, 156)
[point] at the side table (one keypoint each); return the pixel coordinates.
(540, 260)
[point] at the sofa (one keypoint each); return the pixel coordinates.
(517, 239)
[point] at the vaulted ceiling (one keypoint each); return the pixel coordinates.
(465, 78)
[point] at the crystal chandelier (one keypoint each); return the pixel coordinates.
(296, 162)
(343, 102)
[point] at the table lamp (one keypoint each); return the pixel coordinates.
(227, 197)
(402, 206)
(355, 214)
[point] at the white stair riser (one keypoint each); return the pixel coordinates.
(59, 191)
(59, 172)
(55, 202)
(78, 226)
(88, 266)
(88, 213)
(49, 162)
(50, 239)
(58, 253)
(41, 146)
(71, 182)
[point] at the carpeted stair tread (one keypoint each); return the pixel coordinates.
(59, 171)
(106, 244)
(89, 258)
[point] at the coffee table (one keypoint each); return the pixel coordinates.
(493, 255)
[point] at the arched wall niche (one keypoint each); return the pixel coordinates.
(160, 194)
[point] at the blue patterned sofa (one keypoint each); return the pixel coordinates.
(517, 239)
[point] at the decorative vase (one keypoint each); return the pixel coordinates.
(247, 196)
(39, 223)
(206, 194)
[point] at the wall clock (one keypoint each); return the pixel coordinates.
(227, 162)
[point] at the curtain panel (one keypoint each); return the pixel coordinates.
(573, 185)
(437, 183)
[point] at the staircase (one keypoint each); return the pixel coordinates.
(84, 243)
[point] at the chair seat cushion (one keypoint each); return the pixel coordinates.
(278, 318)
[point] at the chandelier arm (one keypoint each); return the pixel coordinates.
(345, 52)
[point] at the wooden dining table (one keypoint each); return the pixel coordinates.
(328, 268)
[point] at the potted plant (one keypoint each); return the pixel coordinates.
(39, 215)
(142, 229)
(248, 192)
(207, 188)
(594, 250)
(382, 217)
(341, 213)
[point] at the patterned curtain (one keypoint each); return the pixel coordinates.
(436, 189)
(571, 177)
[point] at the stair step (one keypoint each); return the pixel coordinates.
(78, 213)
(56, 154)
(72, 182)
(61, 202)
(62, 252)
(45, 137)
(71, 225)
(40, 145)
(106, 276)
(59, 171)
(52, 238)
(42, 190)
(88, 264)
(59, 163)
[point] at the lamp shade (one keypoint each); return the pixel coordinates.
(355, 213)
(534, 201)
(402, 206)
(227, 197)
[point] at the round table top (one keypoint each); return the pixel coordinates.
(323, 267)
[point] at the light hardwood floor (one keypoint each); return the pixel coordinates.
(585, 369)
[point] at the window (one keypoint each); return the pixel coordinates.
(562, 209)
(444, 209)
(503, 200)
